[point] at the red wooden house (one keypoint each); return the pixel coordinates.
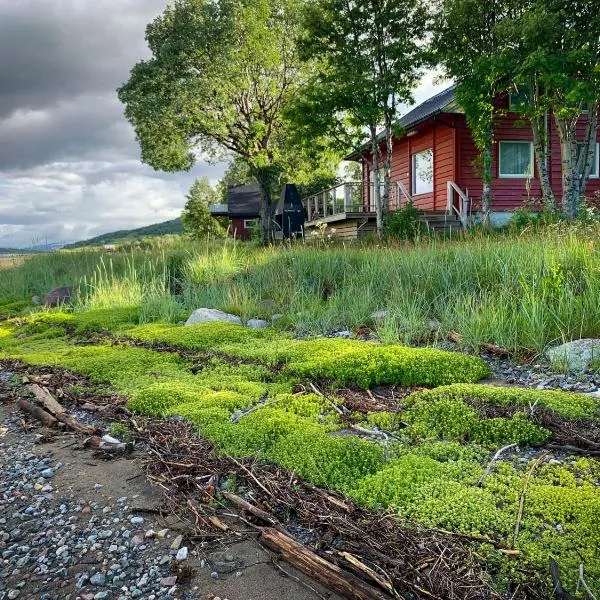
(435, 165)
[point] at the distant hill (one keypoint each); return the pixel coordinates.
(129, 235)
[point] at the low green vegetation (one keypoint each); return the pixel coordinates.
(523, 290)
(238, 387)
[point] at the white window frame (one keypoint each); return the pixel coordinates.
(596, 175)
(413, 182)
(512, 175)
(250, 223)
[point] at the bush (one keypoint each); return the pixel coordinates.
(405, 224)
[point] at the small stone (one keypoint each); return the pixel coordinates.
(176, 542)
(47, 473)
(12, 594)
(162, 534)
(98, 579)
(86, 510)
(101, 596)
(136, 593)
(182, 553)
(87, 596)
(62, 550)
(136, 540)
(214, 575)
(150, 534)
(257, 324)
(168, 581)
(137, 520)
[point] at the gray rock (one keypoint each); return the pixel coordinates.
(211, 315)
(577, 355)
(58, 297)
(101, 596)
(176, 542)
(12, 594)
(257, 324)
(137, 520)
(182, 553)
(47, 473)
(98, 579)
(36, 301)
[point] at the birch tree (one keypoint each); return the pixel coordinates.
(370, 54)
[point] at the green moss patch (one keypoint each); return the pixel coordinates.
(566, 404)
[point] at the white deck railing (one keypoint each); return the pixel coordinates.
(463, 208)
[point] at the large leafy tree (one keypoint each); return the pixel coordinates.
(220, 75)
(466, 43)
(197, 219)
(552, 51)
(368, 55)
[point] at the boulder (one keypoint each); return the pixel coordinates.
(577, 355)
(59, 296)
(212, 315)
(36, 301)
(257, 324)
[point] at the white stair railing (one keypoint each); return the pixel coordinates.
(401, 192)
(462, 210)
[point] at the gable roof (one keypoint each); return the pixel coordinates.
(442, 102)
(244, 200)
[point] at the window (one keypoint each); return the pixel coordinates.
(595, 163)
(516, 160)
(250, 223)
(517, 100)
(422, 172)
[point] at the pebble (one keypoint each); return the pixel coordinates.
(47, 473)
(182, 553)
(98, 579)
(137, 520)
(176, 542)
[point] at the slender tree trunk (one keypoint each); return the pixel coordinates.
(540, 145)
(387, 175)
(486, 196)
(570, 176)
(376, 181)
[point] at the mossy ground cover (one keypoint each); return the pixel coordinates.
(429, 472)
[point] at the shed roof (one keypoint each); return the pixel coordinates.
(244, 200)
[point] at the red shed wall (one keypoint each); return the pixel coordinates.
(238, 230)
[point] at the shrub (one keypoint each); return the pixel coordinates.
(405, 224)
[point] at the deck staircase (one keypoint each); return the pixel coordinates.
(441, 223)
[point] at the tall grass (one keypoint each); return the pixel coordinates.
(524, 290)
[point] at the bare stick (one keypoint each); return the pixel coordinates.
(492, 462)
(534, 466)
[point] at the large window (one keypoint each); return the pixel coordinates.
(596, 162)
(516, 160)
(422, 172)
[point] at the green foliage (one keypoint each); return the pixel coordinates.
(567, 404)
(405, 224)
(121, 432)
(342, 361)
(12, 308)
(327, 460)
(196, 217)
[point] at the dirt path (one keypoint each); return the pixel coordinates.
(75, 526)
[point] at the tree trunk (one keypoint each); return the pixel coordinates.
(540, 145)
(387, 169)
(570, 177)
(264, 182)
(376, 181)
(486, 196)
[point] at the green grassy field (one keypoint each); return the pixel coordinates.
(522, 291)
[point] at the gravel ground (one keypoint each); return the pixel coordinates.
(75, 527)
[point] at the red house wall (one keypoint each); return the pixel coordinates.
(238, 230)
(456, 159)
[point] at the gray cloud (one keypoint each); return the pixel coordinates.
(69, 162)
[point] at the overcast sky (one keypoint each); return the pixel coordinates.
(69, 162)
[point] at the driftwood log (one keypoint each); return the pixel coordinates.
(53, 407)
(38, 413)
(327, 574)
